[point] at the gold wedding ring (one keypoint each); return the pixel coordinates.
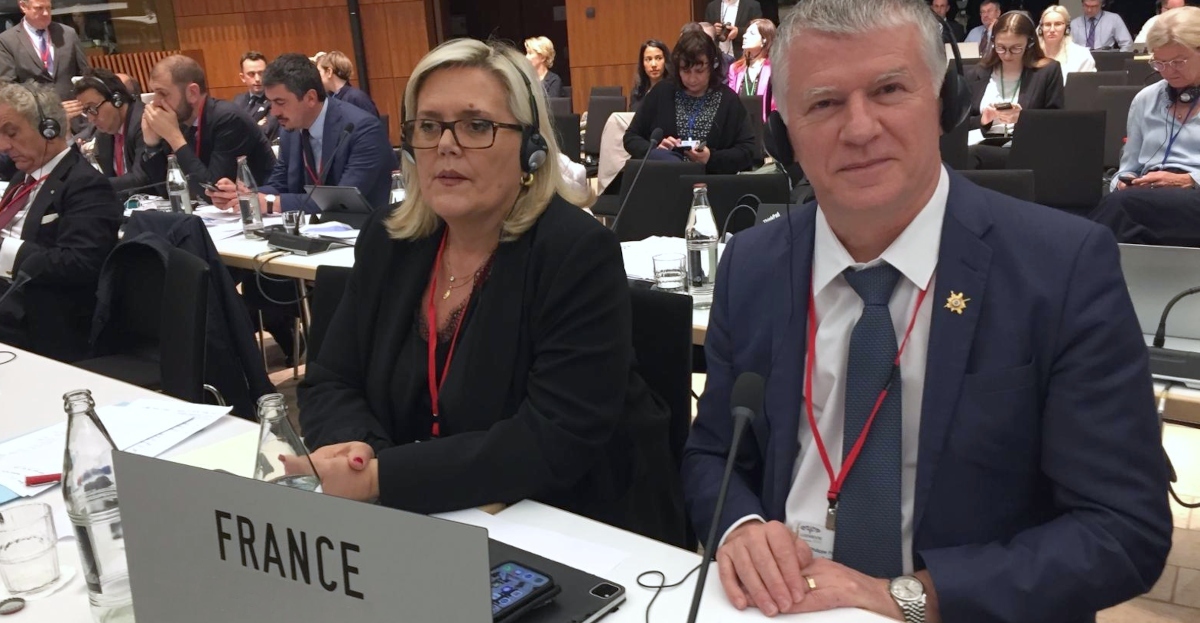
(812, 584)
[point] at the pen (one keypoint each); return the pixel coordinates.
(45, 479)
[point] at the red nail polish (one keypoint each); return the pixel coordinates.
(358, 460)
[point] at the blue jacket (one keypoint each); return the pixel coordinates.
(365, 159)
(354, 95)
(1041, 484)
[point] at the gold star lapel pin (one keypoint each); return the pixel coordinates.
(957, 302)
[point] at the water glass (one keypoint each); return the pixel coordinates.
(291, 222)
(28, 549)
(670, 272)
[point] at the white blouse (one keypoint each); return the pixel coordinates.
(1074, 58)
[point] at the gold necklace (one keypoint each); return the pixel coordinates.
(453, 285)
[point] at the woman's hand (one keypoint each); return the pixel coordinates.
(668, 143)
(700, 154)
(355, 454)
(1010, 115)
(1164, 179)
(987, 115)
(338, 478)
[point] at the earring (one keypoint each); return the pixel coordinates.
(527, 179)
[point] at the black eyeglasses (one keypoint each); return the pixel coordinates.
(467, 133)
(92, 110)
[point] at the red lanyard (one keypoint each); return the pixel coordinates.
(313, 176)
(23, 190)
(199, 127)
(835, 482)
(435, 385)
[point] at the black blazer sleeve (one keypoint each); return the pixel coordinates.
(553, 85)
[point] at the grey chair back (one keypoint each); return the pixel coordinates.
(1111, 60)
(1141, 73)
(1115, 102)
(1080, 91)
(1065, 151)
(600, 108)
(1016, 183)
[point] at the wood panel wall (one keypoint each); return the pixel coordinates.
(604, 48)
(395, 36)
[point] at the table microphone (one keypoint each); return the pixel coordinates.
(655, 139)
(746, 402)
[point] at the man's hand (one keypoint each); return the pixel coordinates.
(163, 123)
(226, 199)
(839, 586)
(73, 108)
(699, 154)
(149, 136)
(1164, 179)
(760, 566)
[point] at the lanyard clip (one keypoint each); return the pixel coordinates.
(831, 515)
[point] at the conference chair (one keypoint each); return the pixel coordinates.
(1080, 91)
(327, 293)
(567, 91)
(607, 90)
(955, 152)
(654, 207)
(1141, 73)
(1065, 151)
(560, 105)
(600, 108)
(154, 333)
(386, 120)
(662, 347)
(725, 191)
(1016, 183)
(754, 110)
(566, 128)
(1115, 102)
(1111, 60)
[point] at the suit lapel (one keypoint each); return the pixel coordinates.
(329, 141)
(962, 268)
(46, 195)
(27, 43)
(105, 146)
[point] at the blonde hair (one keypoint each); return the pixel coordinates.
(338, 62)
(1065, 45)
(1180, 26)
(414, 218)
(543, 47)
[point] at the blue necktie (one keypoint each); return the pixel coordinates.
(1091, 34)
(868, 515)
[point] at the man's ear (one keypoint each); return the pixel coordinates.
(193, 91)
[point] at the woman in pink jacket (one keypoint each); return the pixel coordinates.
(751, 74)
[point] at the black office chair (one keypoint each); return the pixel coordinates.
(567, 91)
(328, 290)
(655, 207)
(754, 110)
(1111, 60)
(1141, 73)
(1115, 102)
(662, 345)
(1016, 183)
(724, 192)
(955, 152)
(1065, 151)
(386, 120)
(559, 105)
(607, 90)
(155, 334)
(1080, 91)
(600, 108)
(566, 128)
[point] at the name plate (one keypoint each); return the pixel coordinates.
(206, 546)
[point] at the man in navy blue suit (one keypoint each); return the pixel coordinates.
(958, 421)
(312, 150)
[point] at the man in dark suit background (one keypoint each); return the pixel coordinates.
(58, 222)
(1014, 471)
(40, 50)
(117, 116)
(942, 8)
(253, 101)
(206, 134)
(738, 14)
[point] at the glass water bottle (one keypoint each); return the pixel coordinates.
(701, 237)
(252, 220)
(282, 457)
(177, 187)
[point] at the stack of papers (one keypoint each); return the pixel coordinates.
(146, 427)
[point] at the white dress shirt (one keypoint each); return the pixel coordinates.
(37, 41)
(729, 11)
(316, 135)
(914, 253)
(1074, 58)
(10, 236)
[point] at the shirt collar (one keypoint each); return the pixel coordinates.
(914, 253)
(317, 129)
(33, 32)
(49, 166)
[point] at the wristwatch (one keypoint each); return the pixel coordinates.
(270, 204)
(909, 593)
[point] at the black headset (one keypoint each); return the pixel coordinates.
(534, 149)
(47, 127)
(112, 96)
(1037, 29)
(1187, 95)
(955, 96)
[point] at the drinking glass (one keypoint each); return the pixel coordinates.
(28, 549)
(670, 272)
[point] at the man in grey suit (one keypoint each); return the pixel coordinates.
(40, 50)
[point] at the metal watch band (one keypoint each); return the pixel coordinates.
(914, 611)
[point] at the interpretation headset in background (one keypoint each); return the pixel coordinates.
(955, 97)
(112, 96)
(47, 127)
(534, 149)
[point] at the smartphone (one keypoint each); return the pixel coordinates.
(517, 589)
(699, 146)
(1003, 106)
(209, 187)
(688, 144)
(147, 98)
(1127, 178)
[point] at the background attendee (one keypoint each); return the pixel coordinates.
(711, 31)
(58, 221)
(751, 74)
(1014, 76)
(695, 105)
(252, 100)
(313, 147)
(989, 12)
(942, 8)
(39, 50)
(730, 18)
(1160, 204)
(206, 134)
(117, 116)
(1055, 31)
(1098, 29)
(131, 84)
(1139, 42)
(336, 70)
(654, 63)
(1014, 472)
(519, 301)
(540, 52)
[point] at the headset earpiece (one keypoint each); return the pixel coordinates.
(117, 99)
(776, 140)
(534, 149)
(47, 127)
(1185, 95)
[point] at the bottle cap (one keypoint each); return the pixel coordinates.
(12, 605)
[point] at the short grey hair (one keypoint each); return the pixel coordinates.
(19, 97)
(1180, 26)
(854, 17)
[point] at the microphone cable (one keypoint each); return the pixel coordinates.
(1160, 334)
(259, 275)
(661, 586)
(1172, 476)
(11, 356)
